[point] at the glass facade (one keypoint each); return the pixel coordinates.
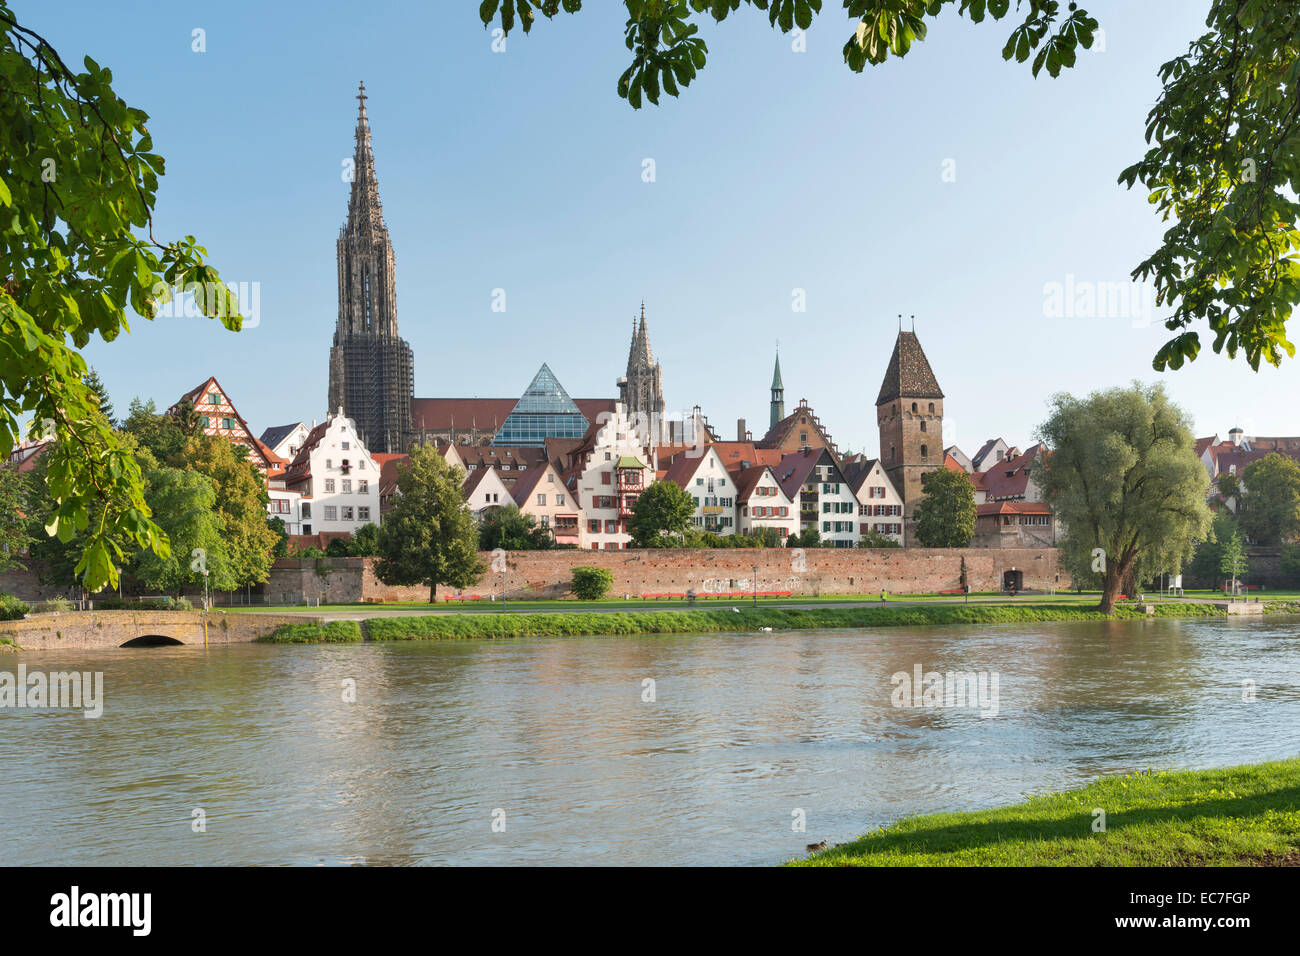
(543, 411)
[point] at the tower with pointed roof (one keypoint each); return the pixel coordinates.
(371, 367)
(778, 394)
(909, 412)
(641, 390)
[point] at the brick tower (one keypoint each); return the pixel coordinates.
(909, 411)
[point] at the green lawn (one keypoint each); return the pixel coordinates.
(640, 604)
(1235, 816)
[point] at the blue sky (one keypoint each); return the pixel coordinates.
(775, 171)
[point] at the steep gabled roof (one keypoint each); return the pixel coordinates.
(278, 433)
(858, 472)
(1010, 478)
(794, 469)
(747, 479)
(909, 374)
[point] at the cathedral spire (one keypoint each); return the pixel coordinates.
(642, 386)
(365, 213)
(371, 367)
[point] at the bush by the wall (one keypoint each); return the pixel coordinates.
(591, 584)
(12, 609)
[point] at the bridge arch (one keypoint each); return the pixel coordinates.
(153, 640)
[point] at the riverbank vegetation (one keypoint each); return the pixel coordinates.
(710, 620)
(1235, 816)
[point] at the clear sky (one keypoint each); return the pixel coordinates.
(775, 171)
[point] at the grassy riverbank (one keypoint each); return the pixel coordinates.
(699, 620)
(1237, 816)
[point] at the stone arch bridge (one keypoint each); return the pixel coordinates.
(76, 629)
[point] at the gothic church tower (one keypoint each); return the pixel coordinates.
(371, 367)
(641, 390)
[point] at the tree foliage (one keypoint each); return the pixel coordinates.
(78, 185)
(1123, 477)
(429, 536)
(945, 518)
(661, 516)
(511, 529)
(14, 525)
(1270, 503)
(241, 499)
(1223, 135)
(185, 503)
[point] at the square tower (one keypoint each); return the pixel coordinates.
(909, 412)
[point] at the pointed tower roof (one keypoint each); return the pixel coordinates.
(776, 373)
(909, 374)
(365, 213)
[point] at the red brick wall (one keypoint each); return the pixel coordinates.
(546, 574)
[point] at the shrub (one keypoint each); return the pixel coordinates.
(57, 604)
(591, 584)
(316, 632)
(11, 608)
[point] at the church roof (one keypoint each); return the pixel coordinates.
(776, 375)
(909, 374)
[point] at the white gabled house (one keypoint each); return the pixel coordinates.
(761, 502)
(336, 478)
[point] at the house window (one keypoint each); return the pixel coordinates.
(306, 529)
(541, 499)
(546, 521)
(205, 421)
(559, 499)
(228, 423)
(345, 446)
(347, 486)
(605, 477)
(363, 487)
(607, 456)
(306, 510)
(593, 526)
(214, 398)
(550, 476)
(347, 512)
(611, 526)
(329, 486)
(363, 514)
(331, 513)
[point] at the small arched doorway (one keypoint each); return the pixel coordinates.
(1013, 580)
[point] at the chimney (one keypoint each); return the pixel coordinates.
(740, 429)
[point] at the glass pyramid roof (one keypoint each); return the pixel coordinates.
(544, 411)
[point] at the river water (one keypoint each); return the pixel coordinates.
(553, 738)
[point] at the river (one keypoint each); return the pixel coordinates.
(553, 740)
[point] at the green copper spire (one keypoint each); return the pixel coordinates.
(778, 393)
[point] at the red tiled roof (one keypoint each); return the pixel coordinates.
(746, 480)
(1013, 507)
(1010, 478)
